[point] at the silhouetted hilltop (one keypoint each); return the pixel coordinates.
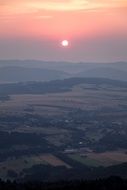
(45, 70)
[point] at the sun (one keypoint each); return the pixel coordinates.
(65, 43)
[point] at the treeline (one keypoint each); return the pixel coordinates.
(50, 173)
(112, 183)
(4, 98)
(7, 140)
(34, 144)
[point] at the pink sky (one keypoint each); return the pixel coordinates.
(39, 21)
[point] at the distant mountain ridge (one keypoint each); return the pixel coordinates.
(35, 70)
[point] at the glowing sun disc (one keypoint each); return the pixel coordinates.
(65, 43)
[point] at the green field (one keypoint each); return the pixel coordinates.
(85, 160)
(100, 159)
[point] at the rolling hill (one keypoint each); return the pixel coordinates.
(21, 74)
(104, 72)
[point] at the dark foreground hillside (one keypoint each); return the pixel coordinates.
(112, 183)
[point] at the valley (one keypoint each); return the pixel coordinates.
(79, 123)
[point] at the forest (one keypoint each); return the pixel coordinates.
(112, 183)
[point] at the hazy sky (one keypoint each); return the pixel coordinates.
(34, 29)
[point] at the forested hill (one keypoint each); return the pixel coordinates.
(23, 74)
(56, 86)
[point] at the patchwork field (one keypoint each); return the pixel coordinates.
(18, 164)
(38, 127)
(53, 160)
(81, 97)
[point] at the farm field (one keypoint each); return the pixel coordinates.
(101, 159)
(80, 97)
(83, 125)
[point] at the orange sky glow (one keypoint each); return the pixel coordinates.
(34, 29)
(62, 18)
